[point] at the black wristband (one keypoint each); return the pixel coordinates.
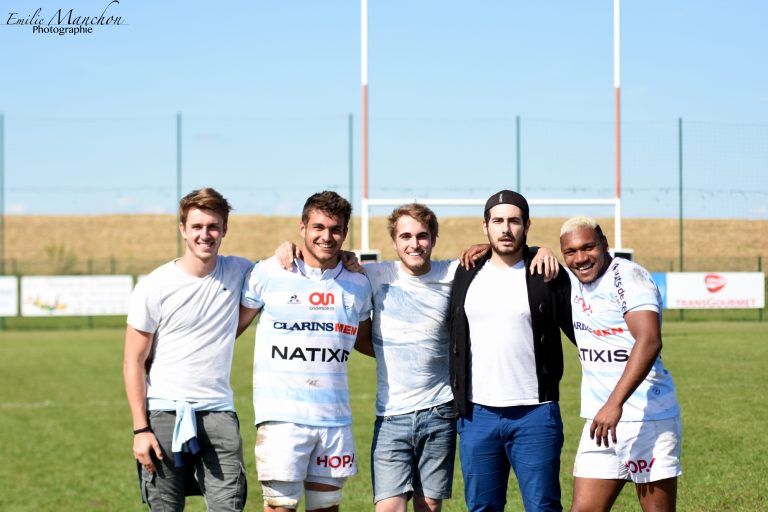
(142, 430)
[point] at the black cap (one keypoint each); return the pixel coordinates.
(507, 197)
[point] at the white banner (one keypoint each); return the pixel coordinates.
(75, 295)
(715, 290)
(9, 296)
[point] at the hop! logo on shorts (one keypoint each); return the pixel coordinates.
(714, 282)
(640, 465)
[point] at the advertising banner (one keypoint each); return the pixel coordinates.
(75, 295)
(714, 290)
(9, 296)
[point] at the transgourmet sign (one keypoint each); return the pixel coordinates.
(712, 290)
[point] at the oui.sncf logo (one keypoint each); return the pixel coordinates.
(714, 282)
(322, 301)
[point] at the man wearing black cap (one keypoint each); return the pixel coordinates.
(506, 365)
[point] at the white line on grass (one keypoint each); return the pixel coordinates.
(49, 404)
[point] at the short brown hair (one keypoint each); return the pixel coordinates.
(330, 203)
(419, 212)
(204, 199)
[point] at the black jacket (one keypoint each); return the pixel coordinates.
(550, 311)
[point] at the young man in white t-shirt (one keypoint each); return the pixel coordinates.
(311, 317)
(181, 329)
(506, 365)
(632, 430)
(414, 439)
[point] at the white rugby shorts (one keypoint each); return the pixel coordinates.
(290, 452)
(646, 451)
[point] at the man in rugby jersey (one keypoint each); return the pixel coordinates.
(311, 316)
(632, 430)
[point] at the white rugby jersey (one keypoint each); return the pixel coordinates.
(604, 342)
(410, 336)
(305, 334)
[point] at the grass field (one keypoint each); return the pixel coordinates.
(66, 429)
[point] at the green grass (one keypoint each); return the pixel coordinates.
(66, 439)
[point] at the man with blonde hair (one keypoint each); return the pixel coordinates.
(414, 438)
(632, 430)
(181, 328)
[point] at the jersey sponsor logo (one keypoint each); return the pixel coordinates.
(581, 326)
(311, 354)
(608, 332)
(639, 465)
(584, 307)
(714, 282)
(620, 301)
(336, 461)
(294, 299)
(603, 356)
(315, 326)
(322, 301)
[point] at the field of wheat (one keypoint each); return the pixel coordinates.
(152, 238)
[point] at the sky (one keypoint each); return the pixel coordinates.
(265, 91)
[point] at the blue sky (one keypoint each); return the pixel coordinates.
(265, 89)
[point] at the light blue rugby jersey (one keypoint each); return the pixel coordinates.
(410, 336)
(306, 331)
(604, 342)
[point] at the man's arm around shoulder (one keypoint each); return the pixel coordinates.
(561, 287)
(363, 342)
(245, 318)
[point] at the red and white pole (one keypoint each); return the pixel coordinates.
(364, 82)
(617, 93)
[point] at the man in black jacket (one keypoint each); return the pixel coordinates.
(506, 366)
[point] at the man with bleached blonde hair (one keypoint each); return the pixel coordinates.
(632, 430)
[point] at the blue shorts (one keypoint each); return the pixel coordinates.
(414, 453)
(526, 438)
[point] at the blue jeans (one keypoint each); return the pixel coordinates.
(414, 453)
(528, 439)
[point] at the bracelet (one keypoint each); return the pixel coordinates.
(142, 430)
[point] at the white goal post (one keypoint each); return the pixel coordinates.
(367, 203)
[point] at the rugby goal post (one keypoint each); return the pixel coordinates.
(367, 203)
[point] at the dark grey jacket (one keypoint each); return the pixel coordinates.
(550, 311)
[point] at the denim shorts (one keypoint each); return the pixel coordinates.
(413, 453)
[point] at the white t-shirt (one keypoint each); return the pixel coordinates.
(410, 336)
(306, 331)
(605, 342)
(195, 321)
(503, 364)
